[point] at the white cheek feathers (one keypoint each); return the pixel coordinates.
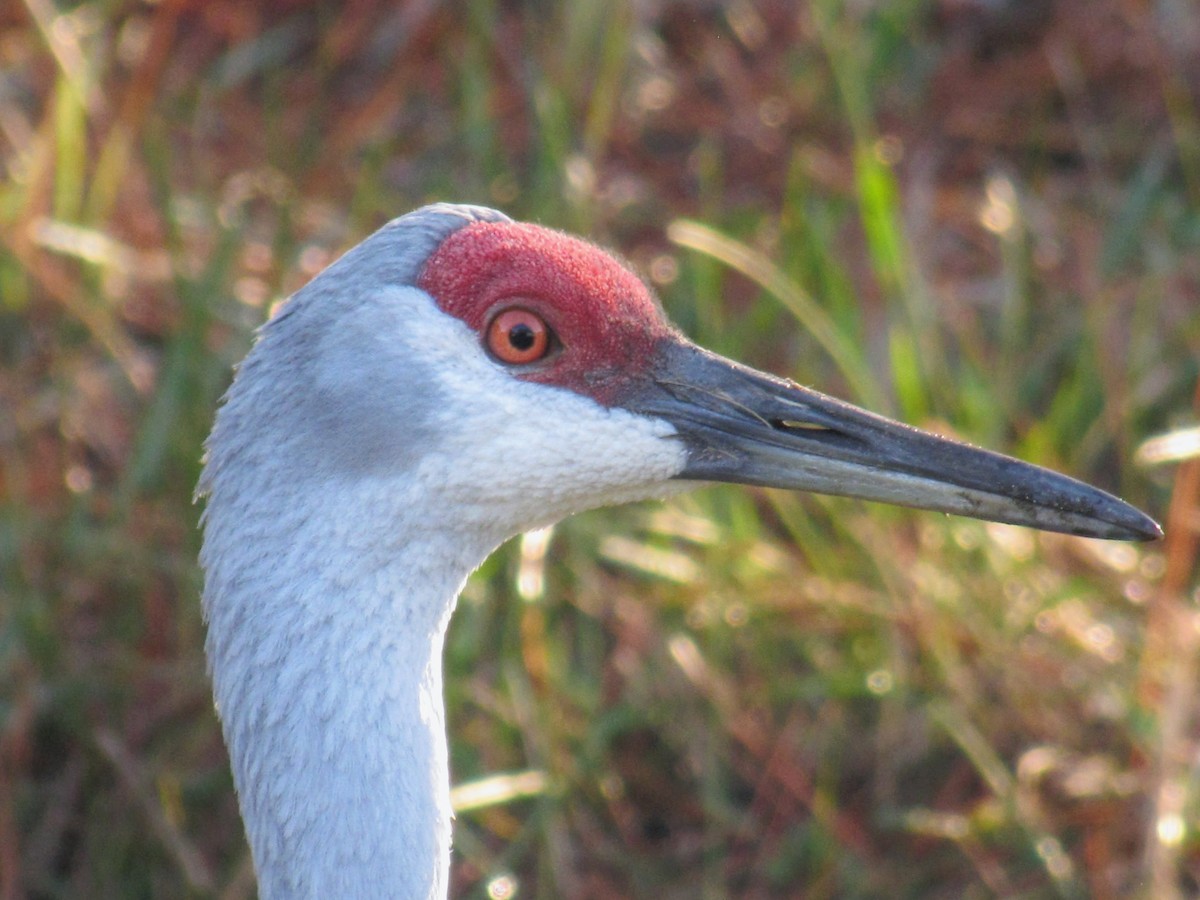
(510, 455)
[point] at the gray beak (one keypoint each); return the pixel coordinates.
(747, 427)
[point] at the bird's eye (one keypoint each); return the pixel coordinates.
(518, 336)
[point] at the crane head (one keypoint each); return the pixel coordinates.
(453, 380)
(521, 374)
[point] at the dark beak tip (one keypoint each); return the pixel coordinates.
(1125, 522)
(1122, 523)
(1146, 530)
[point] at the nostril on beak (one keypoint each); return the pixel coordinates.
(797, 425)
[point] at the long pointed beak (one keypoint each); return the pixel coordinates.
(747, 427)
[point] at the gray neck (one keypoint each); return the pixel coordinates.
(326, 665)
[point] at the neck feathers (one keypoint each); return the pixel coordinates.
(325, 644)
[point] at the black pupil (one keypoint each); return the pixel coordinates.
(521, 337)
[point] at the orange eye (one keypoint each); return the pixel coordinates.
(518, 336)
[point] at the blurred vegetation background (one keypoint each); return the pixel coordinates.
(982, 216)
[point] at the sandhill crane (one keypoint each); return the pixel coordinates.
(453, 380)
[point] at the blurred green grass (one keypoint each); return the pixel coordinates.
(984, 218)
